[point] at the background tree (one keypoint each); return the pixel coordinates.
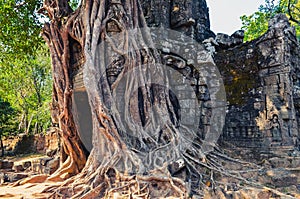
(257, 24)
(25, 72)
(6, 123)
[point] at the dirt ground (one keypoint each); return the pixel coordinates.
(26, 191)
(34, 190)
(30, 157)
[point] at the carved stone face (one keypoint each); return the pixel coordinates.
(186, 16)
(181, 14)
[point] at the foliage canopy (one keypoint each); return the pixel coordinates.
(257, 24)
(25, 73)
(6, 115)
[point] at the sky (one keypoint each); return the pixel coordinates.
(225, 14)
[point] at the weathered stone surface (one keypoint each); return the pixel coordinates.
(13, 177)
(51, 153)
(261, 84)
(44, 161)
(261, 77)
(259, 87)
(3, 178)
(26, 164)
(47, 165)
(189, 17)
(36, 166)
(18, 168)
(47, 143)
(52, 165)
(5, 164)
(40, 143)
(24, 145)
(226, 41)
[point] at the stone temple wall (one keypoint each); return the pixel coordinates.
(190, 17)
(189, 21)
(261, 77)
(262, 85)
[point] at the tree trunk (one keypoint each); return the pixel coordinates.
(59, 37)
(1, 145)
(21, 122)
(27, 128)
(138, 148)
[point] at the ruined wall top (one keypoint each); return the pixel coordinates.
(262, 85)
(188, 16)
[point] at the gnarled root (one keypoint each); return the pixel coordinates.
(109, 183)
(32, 179)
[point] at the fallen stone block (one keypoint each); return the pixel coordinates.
(13, 177)
(6, 164)
(52, 166)
(18, 168)
(26, 164)
(3, 178)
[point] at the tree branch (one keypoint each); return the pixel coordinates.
(291, 17)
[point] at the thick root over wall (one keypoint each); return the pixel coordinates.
(127, 160)
(217, 180)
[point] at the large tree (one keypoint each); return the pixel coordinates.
(6, 114)
(141, 150)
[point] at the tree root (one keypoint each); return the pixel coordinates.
(64, 171)
(119, 185)
(33, 179)
(107, 182)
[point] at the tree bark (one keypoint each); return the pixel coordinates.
(1, 145)
(139, 151)
(57, 36)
